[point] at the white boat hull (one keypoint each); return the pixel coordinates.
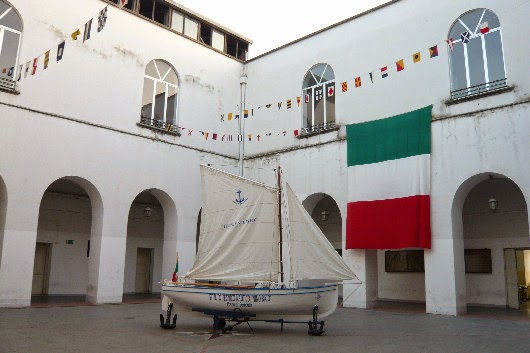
(265, 303)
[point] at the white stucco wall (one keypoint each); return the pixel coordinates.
(79, 118)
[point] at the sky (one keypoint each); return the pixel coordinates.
(270, 24)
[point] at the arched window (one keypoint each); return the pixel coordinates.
(10, 35)
(159, 102)
(318, 94)
(477, 58)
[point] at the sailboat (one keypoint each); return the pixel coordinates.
(260, 256)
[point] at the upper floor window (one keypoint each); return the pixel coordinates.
(318, 94)
(159, 102)
(10, 35)
(477, 58)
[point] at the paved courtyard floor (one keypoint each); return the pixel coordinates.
(135, 328)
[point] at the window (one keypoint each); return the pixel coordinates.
(159, 102)
(10, 35)
(477, 58)
(477, 260)
(318, 94)
(404, 261)
(218, 40)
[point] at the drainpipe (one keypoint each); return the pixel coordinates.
(243, 83)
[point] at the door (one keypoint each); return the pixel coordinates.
(510, 267)
(41, 269)
(143, 270)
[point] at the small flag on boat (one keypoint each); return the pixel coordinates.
(175, 274)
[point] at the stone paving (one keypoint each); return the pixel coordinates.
(135, 328)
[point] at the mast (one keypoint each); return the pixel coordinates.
(280, 221)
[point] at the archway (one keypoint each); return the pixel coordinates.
(326, 214)
(70, 213)
(495, 232)
(151, 243)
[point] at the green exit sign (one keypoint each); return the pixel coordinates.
(70, 241)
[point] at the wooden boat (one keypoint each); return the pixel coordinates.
(260, 256)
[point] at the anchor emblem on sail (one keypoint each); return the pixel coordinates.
(240, 200)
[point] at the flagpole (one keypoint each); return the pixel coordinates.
(243, 85)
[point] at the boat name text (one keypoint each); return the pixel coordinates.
(239, 223)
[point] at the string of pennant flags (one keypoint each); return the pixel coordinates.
(372, 77)
(31, 67)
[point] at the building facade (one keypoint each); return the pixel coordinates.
(99, 170)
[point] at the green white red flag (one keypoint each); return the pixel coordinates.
(389, 182)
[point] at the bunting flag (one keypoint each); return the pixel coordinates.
(190, 132)
(484, 28)
(214, 136)
(433, 51)
(75, 34)
(358, 82)
(384, 72)
(416, 57)
(279, 105)
(450, 43)
(229, 116)
(34, 68)
(288, 104)
(245, 113)
(331, 90)
(236, 116)
(88, 26)
(268, 105)
(371, 77)
(298, 101)
(389, 182)
(296, 133)
(222, 117)
(46, 59)
(60, 51)
(175, 276)
(344, 86)
(26, 70)
(102, 19)
(400, 65)
(465, 36)
(122, 3)
(10, 71)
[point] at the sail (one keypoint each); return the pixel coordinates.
(239, 229)
(312, 255)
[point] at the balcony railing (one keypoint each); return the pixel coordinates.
(318, 128)
(7, 84)
(478, 89)
(159, 125)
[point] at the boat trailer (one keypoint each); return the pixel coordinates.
(220, 318)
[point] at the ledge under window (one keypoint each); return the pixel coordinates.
(478, 91)
(318, 129)
(158, 125)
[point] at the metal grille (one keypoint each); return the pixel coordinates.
(158, 124)
(7, 84)
(318, 128)
(478, 89)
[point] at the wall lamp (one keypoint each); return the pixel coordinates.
(493, 204)
(148, 211)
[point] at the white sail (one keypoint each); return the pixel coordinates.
(239, 230)
(311, 254)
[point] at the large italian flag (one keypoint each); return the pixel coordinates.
(389, 182)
